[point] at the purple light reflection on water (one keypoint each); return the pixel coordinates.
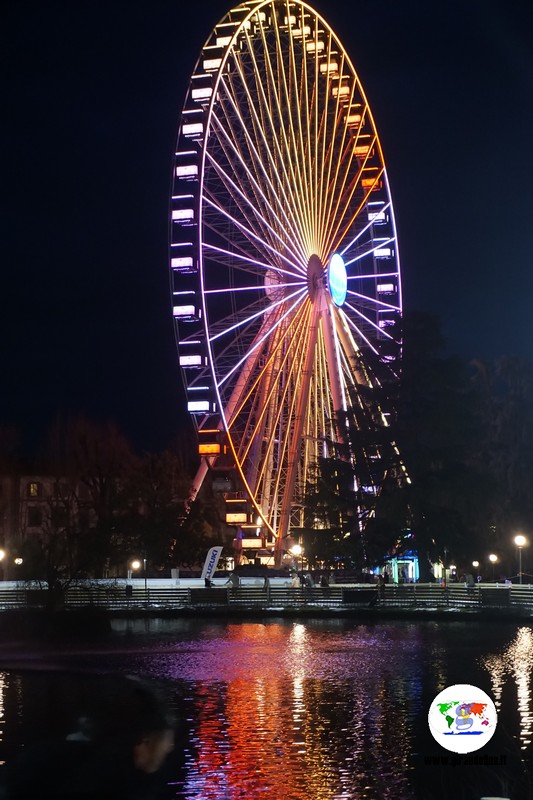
(293, 711)
(285, 710)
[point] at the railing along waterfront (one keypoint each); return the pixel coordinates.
(117, 596)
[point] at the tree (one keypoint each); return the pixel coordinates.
(421, 472)
(98, 462)
(158, 493)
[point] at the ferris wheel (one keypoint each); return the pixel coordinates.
(284, 263)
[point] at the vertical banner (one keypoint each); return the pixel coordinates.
(211, 561)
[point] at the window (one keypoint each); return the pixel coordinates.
(34, 489)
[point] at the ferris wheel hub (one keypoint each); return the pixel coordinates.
(315, 276)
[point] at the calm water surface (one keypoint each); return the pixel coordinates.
(287, 710)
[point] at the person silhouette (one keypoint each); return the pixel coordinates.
(115, 752)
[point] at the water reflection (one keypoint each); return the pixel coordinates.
(3, 686)
(286, 710)
(294, 720)
(516, 660)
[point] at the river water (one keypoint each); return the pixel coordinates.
(290, 710)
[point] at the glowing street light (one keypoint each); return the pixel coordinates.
(493, 558)
(520, 541)
(297, 550)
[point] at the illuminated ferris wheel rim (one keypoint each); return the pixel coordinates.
(248, 219)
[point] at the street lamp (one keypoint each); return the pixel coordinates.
(145, 583)
(297, 550)
(493, 558)
(520, 541)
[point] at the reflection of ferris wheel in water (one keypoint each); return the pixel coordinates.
(284, 259)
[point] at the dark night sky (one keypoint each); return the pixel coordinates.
(93, 92)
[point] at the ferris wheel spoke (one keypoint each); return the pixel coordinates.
(341, 235)
(252, 236)
(291, 80)
(361, 233)
(325, 136)
(288, 439)
(249, 265)
(373, 300)
(371, 276)
(276, 112)
(341, 218)
(342, 162)
(283, 103)
(368, 322)
(254, 287)
(271, 197)
(369, 252)
(264, 216)
(273, 154)
(268, 333)
(249, 318)
(271, 401)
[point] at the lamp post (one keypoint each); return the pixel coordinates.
(493, 558)
(520, 541)
(296, 551)
(145, 582)
(475, 564)
(135, 565)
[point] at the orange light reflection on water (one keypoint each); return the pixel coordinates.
(273, 730)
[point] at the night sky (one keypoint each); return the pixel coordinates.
(93, 92)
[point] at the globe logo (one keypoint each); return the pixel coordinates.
(462, 718)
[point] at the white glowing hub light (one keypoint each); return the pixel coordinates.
(337, 279)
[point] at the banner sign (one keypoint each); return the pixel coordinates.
(211, 561)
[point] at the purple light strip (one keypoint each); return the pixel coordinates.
(248, 232)
(367, 226)
(254, 316)
(370, 322)
(264, 287)
(282, 181)
(291, 225)
(369, 252)
(374, 300)
(235, 255)
(256, 215)
(373, 275)
(359, 332)
(263, 338)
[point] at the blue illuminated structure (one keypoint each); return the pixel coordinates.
(337, 279)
